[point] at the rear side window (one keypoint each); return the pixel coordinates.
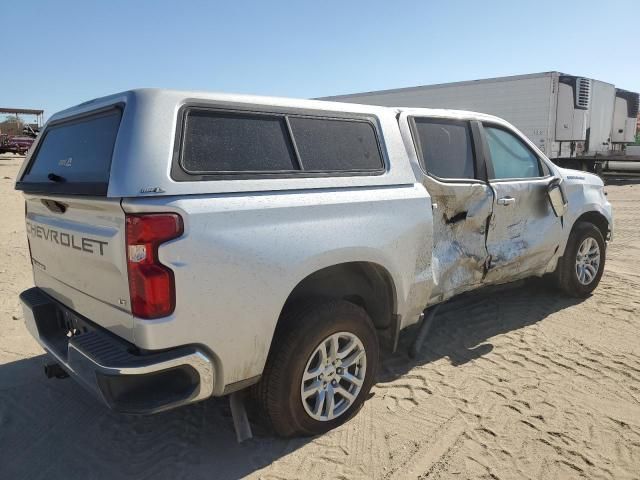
(221, 142)
(445, 148)
(74, 156)
(229, 142)
(335, 144)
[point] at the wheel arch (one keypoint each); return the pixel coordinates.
(597, 219)
(366, 284)
(594, 217)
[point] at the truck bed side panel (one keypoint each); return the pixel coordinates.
(241, 256)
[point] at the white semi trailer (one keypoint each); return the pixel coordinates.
(578, 122)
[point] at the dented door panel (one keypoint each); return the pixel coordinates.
(524, 234)
(461, 206)
(460, 215)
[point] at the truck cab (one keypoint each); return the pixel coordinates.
(489, 187)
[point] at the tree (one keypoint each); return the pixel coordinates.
(11, 125)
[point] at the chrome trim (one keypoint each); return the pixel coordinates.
(197, 360)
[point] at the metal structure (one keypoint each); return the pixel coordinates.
(39, 114)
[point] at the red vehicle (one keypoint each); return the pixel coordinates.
(19, 145)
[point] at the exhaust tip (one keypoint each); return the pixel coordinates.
(54, 370)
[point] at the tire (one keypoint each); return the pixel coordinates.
(297, 349)
(568, 276)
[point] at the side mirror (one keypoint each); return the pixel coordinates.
(556, 198)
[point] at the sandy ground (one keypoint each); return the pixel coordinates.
(523, 383)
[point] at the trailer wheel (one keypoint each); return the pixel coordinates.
(320, 369)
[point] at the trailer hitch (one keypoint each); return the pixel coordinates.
(54, 370)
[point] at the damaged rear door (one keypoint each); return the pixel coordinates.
(454, 174)
(524, 233)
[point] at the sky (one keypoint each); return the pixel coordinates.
(55, 54)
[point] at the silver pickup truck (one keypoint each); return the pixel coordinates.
(188, 245)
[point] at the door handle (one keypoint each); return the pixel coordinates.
(506, 201)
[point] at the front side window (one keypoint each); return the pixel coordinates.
(511, 158)
(445, 147)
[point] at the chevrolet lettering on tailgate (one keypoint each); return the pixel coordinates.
(86, 244)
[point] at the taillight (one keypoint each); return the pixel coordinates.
(151, 284)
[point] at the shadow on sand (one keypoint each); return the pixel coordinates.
(53, 429)
(463, 327)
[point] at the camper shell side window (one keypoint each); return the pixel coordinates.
(231, 144)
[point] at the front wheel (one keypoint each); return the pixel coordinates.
(321, 368)
(581, 267)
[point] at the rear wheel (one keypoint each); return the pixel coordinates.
(581, 267)
(321, 368)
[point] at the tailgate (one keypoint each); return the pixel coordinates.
(76, 233)
(78, 253)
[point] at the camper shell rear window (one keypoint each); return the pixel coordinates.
(225, 144)
(74, 155)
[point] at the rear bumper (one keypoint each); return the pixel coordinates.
(110, 367)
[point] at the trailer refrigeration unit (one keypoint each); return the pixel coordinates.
(574, 120)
